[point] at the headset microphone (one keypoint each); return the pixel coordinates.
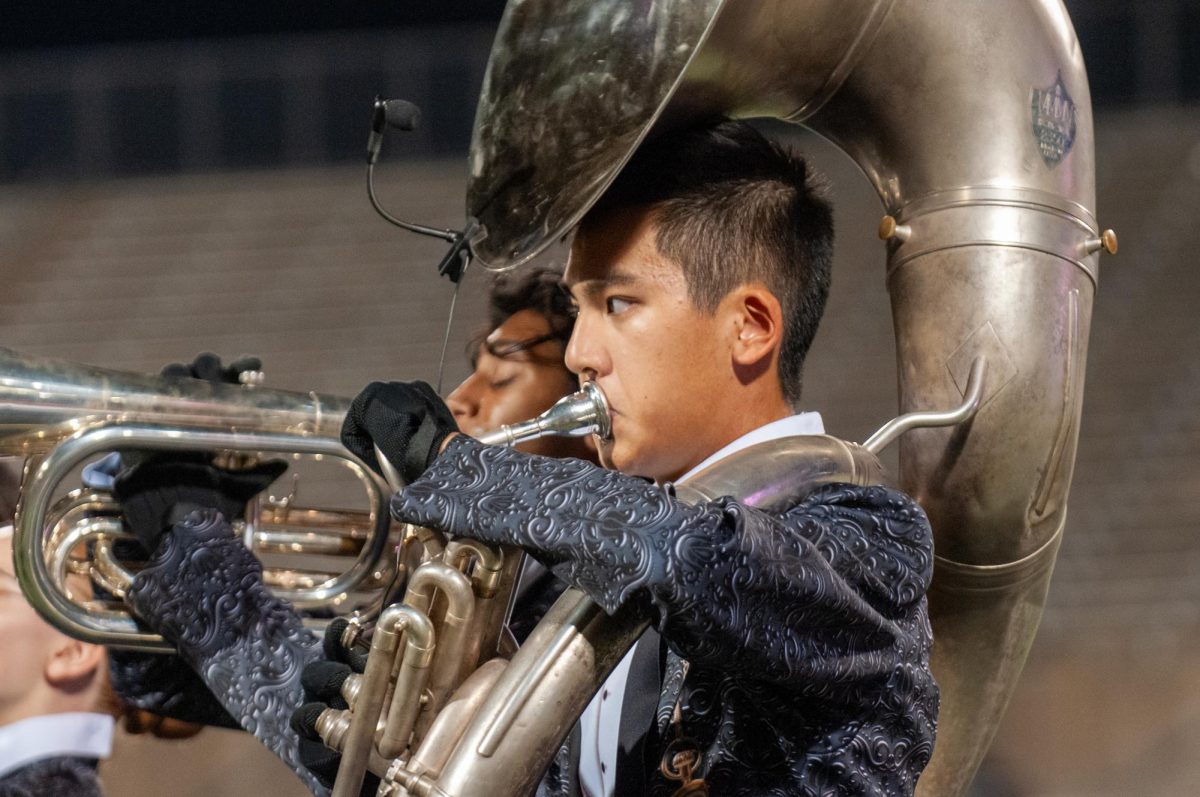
(400, 114)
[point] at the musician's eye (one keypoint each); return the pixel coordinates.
(617, 305)
(500, 384)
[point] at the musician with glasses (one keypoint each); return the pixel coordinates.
(517, 368)
(794, 645)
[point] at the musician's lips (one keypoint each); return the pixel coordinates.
(612, 424)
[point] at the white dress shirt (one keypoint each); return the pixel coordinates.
(600, 722)
(77, 734)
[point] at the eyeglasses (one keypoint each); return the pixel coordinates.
(507, 348)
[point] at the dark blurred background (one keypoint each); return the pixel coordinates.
(132, 87)
(180, 177)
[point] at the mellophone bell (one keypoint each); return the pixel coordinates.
(985, 171)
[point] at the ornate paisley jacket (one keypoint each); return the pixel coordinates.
(63, 776)
(806, 632)
(203, 591)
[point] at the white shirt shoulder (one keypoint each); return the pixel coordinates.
(76, 734)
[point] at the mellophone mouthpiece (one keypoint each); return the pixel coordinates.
(576, 415)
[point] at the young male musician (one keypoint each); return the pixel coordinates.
(700, 279)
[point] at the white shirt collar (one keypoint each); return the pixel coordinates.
(76, 734)
(791, 426)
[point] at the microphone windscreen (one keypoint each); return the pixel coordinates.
(402, 114)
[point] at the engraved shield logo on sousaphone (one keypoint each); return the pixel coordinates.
(1053, 121)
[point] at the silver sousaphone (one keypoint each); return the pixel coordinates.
(973, 122)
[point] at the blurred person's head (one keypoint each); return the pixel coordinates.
(44, 670)
(518, 369)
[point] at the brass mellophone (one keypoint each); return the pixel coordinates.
(58, 415)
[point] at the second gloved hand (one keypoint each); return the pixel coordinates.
(208, 366)
(322, 681)
(158, 489)
(406, 420)
(161, 490)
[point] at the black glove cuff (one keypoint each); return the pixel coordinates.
(423, 449)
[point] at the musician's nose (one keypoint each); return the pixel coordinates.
(586, 354)
(464, 402)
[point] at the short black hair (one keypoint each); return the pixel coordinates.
(730, 207)
(536, 287)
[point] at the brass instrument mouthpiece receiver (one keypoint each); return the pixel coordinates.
(577, 415)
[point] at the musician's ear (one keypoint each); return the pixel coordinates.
(757, 319)
(72, 664)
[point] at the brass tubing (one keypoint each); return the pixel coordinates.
(431, 540)
(59, 561)
(277, 538)
(57, 414)
(38, 489)
(281, 579)
(418, 653)
(452, 721)
(43, 401)
(972, 398)
(532, 676)
(110, 568)
(66, 540)
(431, 578)
(408, 699)
(99, 510)
(489, 563)
(574, 647)
(494, 579)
